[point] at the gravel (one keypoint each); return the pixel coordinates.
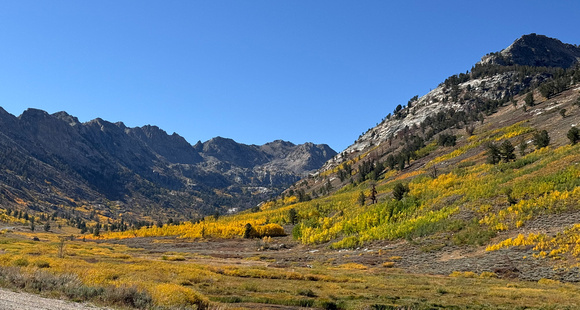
(10, 300)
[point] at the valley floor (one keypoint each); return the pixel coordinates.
(282, 274)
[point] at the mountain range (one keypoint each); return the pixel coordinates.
(54, 162)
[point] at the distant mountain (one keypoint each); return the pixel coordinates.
(54, 162)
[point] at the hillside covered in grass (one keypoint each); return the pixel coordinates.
(471, 176)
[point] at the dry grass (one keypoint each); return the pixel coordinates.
(195, 282)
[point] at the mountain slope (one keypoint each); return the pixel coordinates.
(490, 84)
(447, 183)
(55, 160)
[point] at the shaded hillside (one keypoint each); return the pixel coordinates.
(51, 162)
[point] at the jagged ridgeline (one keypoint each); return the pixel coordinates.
(56, 165)
(487, 151)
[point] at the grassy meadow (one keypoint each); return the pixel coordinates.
(450, 195)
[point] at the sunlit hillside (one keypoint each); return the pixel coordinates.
(465, 198)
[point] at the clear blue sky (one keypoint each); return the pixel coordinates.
(253, 71)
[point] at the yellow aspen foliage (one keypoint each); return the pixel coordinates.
(215, 229)
(520, 240)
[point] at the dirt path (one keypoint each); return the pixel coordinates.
(10, 300)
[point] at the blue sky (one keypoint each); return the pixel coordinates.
(253, 71)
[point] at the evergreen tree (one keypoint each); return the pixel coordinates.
(522, 147)
(248, 231)
(342, 175)
(391, 162)
(401, 162)
(399, 191)
(292, 216)
(47, 226)
(529, 99)
(541, 139)
(573, 135)
(446, 140)
(507, 151)
(493, 154)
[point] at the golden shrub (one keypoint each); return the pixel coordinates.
(173, 295)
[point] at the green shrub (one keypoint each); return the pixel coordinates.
(296, 232)
(442, 291)
(307, 293)
(329, 305)
(306, 303)
(20, 262)
(42, 264)
(473, 234)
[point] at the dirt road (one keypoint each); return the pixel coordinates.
(10, 300)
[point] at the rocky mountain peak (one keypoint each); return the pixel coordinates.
(538, 51)
(32, 114)
(173, 147)
(69, 119)
(6, 117)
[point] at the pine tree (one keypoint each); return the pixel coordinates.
(541, 139)
(493, 154)
(522, 147)
(292, 216)
(530, 99)
(248, 230)
(573, 135)
(507, 151)
(399, 191)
